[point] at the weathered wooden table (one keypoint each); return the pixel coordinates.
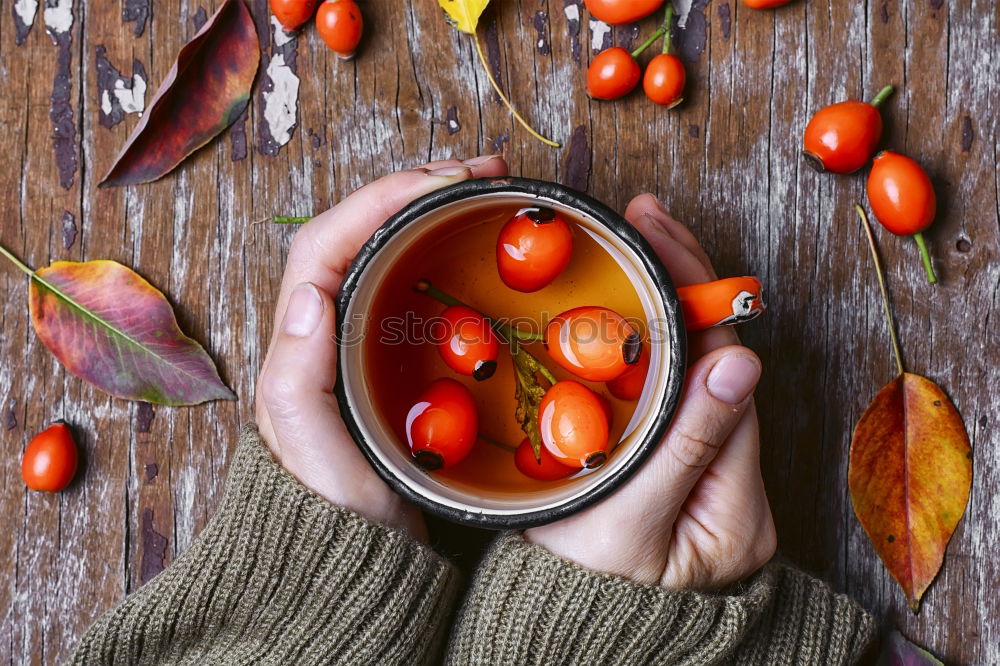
(727, 162)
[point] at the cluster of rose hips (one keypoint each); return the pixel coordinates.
(615, 72)
(338, 22)
(843, 137)
(593, 343)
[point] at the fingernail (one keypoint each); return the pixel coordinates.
(733, 379)
(449, 171)
(482, 159)
(657, 225)
(305, 310)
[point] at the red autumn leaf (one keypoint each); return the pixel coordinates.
(110, 327)
(910, 474)
(898, 651)
(205, 92)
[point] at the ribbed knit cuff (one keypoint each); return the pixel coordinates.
(528, 606)
(281, 576)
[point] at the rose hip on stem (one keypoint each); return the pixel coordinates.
(665, 76)
(613, 72)
(902, 197)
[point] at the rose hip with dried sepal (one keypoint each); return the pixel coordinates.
(470, 346)
(594, 343)
(573, 425)
(441, 427)
(533, 248)
(842, 137)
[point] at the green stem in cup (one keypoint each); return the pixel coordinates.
(881, 284)
(497, 443)
(881, 96)
(505, 330)
(925, 257)
(646, 44)
(668, 18)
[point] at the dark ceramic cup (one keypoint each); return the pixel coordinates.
(720, 302)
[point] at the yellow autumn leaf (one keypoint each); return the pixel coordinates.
(464, 14)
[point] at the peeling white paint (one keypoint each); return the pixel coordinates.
(281, 37)
(453, 126)
(281, 103)
(683, 9)
(132, 100)
(572, 12)
(598, 29)
(58, 18)
(26, 10)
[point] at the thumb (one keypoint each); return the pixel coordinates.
(297, 413)
(716, 395)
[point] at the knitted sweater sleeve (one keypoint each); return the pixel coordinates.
(280, 576)
(527, 606)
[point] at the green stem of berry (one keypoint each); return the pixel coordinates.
(506, 330)
(925, 257)
(882, 96)
(881, 284)
(497, 443)
(668, 19)
(646, 44)
(281, 219)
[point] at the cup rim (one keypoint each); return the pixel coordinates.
(663, 409)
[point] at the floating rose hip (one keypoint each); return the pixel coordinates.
(340, 24)
(617, 12)
(629, 385)
(592, 342)
(573, 425)
(842, 137)
(470, 346)
(547, 468)
(441, 427)
(292, 14)
(533, 248)
(50, 459)
(902, 197)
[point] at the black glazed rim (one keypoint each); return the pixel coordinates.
(626, 232)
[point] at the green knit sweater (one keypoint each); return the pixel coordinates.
(280, 576)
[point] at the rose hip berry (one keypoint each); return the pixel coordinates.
(470, 346)
(441, 427)
(592, 342)
(842, 137)
(533, 248)
(340, 24)
(573, 425)
(50, 459)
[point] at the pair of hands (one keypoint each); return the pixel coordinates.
(694, 517)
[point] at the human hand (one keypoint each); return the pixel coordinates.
(296, 411)
(696, 515)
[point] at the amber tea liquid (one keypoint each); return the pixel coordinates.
(459, 257)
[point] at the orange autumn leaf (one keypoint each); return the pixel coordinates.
(910, 469)
(910, 474)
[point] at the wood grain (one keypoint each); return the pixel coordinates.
(726, 162)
